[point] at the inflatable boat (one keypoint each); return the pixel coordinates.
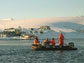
(57, 47)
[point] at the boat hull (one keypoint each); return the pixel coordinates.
(53, 48)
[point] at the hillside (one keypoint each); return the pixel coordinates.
(72, 27)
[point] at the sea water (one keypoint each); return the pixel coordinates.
(20, 51)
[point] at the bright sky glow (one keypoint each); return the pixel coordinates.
(20, 9)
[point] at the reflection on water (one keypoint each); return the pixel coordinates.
(20, 51)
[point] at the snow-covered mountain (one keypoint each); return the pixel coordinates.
(72, 27)
(53, 34)
(69, 23)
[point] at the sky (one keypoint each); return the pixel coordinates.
(21, 9)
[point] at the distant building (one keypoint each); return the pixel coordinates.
(3, 35)
(33, 30)
(39, 30)
(45, 27)
(10, 32)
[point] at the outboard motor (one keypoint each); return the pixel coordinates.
(71, 44)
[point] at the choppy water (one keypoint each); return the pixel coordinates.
(20, 51)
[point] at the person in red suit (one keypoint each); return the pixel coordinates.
(61, 39)
(53, 42)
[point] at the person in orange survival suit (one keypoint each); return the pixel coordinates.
(36, 40)
(46, 42)
(61, 39)
(53, 42)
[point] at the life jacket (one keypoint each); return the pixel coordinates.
(36, 41)
(61, 39)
